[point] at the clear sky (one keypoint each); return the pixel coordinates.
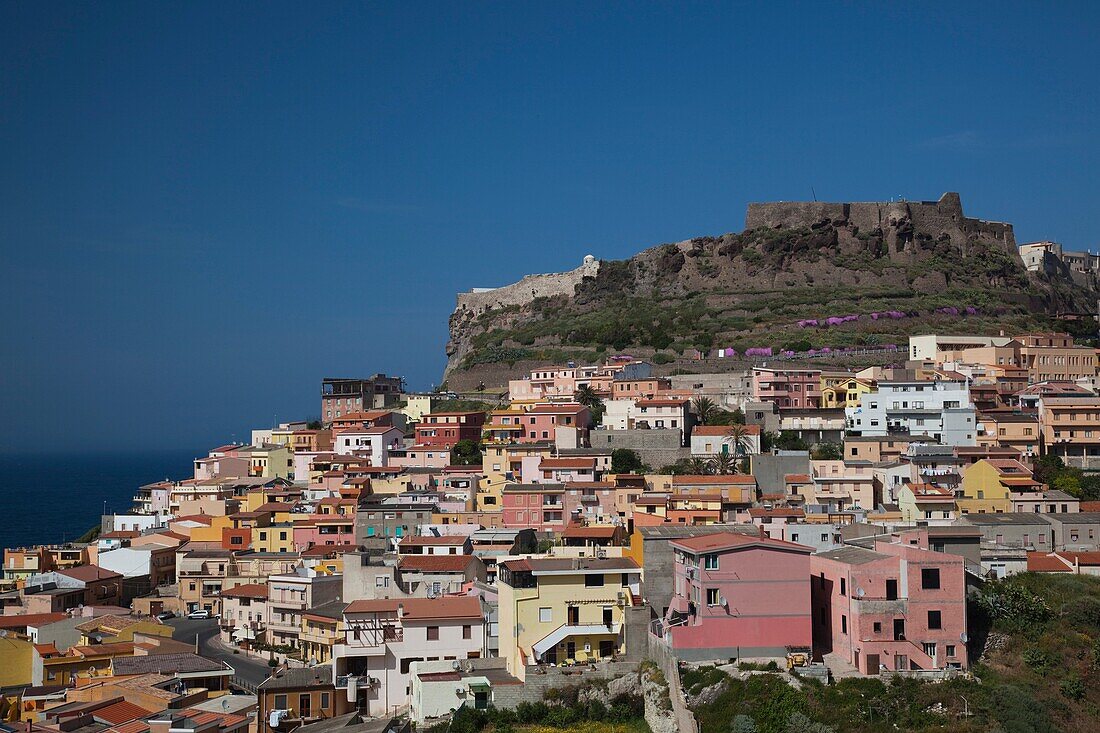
(207, 207)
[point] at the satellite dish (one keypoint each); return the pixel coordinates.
(455, 665)
(722, 600)
(860, 592)
(964, 637)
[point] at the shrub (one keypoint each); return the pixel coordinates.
(1072, 687)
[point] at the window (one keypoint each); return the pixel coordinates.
(280, 702)
(710, 562)
(324, 700)
(844, 624)
(713, 599)
(593, 581)
(382, 581)
(546, 616)
(843, 586)
(935, 620)
(433, 633)
(930, 578)
(878, 627)
(929, 649)
(467, 632)
(950, 650)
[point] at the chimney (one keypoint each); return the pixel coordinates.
(763, 534)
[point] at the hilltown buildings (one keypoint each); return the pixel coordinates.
(362, 546)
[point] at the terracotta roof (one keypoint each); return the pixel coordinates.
(729, 540)
(1041, 562)
(200, 518)
(109, 622)
(30, 619)
(566, 463)
(47, 650)
(274, 506)
(122, 534)
(735, 478)
(120, 711)
(422, 609)
(246, 590)
(89, 573)
(427, 539)
(436, 563)
(797, 478)
(117, 649)
(723, 430)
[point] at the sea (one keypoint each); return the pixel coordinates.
(57, 497)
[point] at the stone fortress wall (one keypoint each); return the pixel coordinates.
(530, 287)
(933, 217)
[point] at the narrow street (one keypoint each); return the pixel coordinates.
(251, 670)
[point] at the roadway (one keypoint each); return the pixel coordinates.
(249, 669)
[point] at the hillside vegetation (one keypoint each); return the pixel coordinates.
(776, 287)
(1039, 672)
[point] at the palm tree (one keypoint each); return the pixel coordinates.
(738, 437)
(698, 467)
(705, 408)
(586, 395)
(724, 464)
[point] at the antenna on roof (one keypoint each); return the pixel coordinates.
(812, 191)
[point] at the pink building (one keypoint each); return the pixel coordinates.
(738, 596)
(541, 422)
(799, 388)
(538, 506)
(897, 607)
(328, 529)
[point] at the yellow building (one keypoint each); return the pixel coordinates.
(18, 661)
(926, 503)
(838, 391)
(502, 463)
(321, 630)
(271, 461)
(273, 538)
(987, 485)
(560, 610)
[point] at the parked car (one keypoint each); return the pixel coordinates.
(165, 616)
(199, 613)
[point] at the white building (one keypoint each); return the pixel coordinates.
(374, 443)
(631, 414)
(941, 410)
(383, 638)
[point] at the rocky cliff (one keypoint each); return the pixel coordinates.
(802, 277)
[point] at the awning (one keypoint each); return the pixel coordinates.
(564, 632)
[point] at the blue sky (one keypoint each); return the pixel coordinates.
(205, 209)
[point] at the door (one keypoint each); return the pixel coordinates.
(304, 705)
(607, 648)
(574, 616)
(892, 589)
(551, 656)
(571, 650)
(901, 662)
(607, 617)
(872, 664)
(481, 700)
(899, 629)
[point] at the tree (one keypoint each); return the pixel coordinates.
(466, 453)
(314, 425)
(587, 396)
(788, 440)
(624, 460)
(705, 408)
(698, 467)
(723, 464)
(827, 452)
(738, 438)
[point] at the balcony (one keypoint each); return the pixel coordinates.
(899, 606)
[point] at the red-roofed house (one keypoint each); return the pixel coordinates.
(1079, 563)
(711, 440)
(738, 596)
